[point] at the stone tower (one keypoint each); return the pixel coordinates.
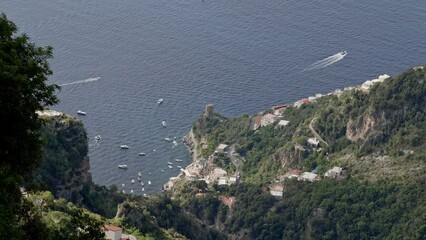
(208, 112)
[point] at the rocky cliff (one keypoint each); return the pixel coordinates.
(65, 166)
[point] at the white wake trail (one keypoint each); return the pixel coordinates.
(327, 61)
(81, 81)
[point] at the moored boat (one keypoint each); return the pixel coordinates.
(122, 166)
(79, 112)
(124, 146)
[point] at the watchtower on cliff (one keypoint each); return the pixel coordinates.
(208, 112)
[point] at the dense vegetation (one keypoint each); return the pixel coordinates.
(378, 135)
(23, 91)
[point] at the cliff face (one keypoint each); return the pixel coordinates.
(65, 166)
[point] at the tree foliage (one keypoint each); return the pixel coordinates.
(23, 90)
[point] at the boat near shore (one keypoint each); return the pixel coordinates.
(79, 112)
(160, 101)
(124, 146)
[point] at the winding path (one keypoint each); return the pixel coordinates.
(315, 133)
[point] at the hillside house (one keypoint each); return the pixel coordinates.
(278, 110)
(276, 189)
(267, 119)
(222, 148)
(336, 172)
(313, 142)
(283, 123)
(113, 232)
(308, 176)
(295, 173)
(216, 174)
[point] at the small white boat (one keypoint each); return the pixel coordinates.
(174, 142)
(170, 166)
(142, 154)
(149, 182)
(142, 184)
(122, 166)
(178, 160)
(162, 170)
(123, 191)
(139, 174)
(131, 191)
(139, 179)
(143, 189)
(343, 53)
(79, 112)
(179, 166)
(164, 123)
(160, 101)
(98, 137)
(124, 146)
(168, 139)
(170, 163)
(133, 180)
(145, 195)
(123, 185)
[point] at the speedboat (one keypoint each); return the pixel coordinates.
(124, 146)
(122, 166)
(123, 185)
(98, 137)
(174, 142)
(179, 167)
(178, 160)
(170, 163)
(139, 179)
(142, 184)
(160, 101)
(131, 191)
(133, 180)
(142, 154)
(139, 174)
(149, 182)
(343, 53)
(168, 139)
(170, 166)
(164, 123)
(162, 170)
(79, 112)
(143, 189)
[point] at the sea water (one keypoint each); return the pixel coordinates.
(115, 59)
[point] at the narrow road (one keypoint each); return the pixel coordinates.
(315, 132)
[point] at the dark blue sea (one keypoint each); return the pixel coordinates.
(241, 56)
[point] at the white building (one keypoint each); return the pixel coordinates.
(113, 233)
(313, 141)
(308, 176)
(276, 189)
(221, 148)
(334, 172)
(283, 123)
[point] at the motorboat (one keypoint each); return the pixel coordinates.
(124, 146)
(122, 166)
(142, 154)
(160, 101)
(149, 182)
(79, 112)
(139, 179)
(143, 189)
(133, 180)
(142, 184)
(178, 166)
(170, 163)
(343, 53)
(139, 174)
(164, 123)
(98, 137)
(162, 170)
(168, 139)
(170, 166)
(123, 185)
(178, 160)
(131, 191)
